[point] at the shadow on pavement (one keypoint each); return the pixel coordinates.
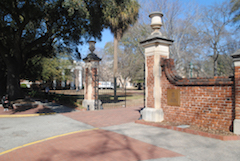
(59, 108)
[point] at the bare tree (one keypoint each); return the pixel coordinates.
(179, 22)
(215, 29)
(129, 63)
(105, 71)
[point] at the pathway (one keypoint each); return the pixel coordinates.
(108, 135)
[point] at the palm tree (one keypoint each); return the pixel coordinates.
(119, 15)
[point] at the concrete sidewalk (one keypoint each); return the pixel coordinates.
(18, 131)
(72, 136)
(193, 147)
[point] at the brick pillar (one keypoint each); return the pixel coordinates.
(94, 81)
(90, 72)
(156, 47)
(236, 122)
(89, 85)
(91, 65)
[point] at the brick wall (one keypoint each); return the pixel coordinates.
(150, 82)
(86, 84)
(205, 102)
(237, 91)
(94, 73)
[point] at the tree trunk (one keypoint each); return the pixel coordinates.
(3, 83)
(3, 78)
(13, 81)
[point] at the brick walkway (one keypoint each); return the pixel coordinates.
(105, 118)
(94, 145)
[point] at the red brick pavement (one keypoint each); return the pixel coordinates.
(94, 145)
(103, 118)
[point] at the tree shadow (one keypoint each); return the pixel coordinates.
(24, 107)
(59, 108)
(45, 110)
(103, 145)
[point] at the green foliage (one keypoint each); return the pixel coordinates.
(32, 93)
(32, 69)
(52, 68)
(119, 14)
(23, 86)
(36, 28)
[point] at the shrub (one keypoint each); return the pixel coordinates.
(23, 85)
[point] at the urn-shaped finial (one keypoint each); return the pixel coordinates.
(91, 46)
(156, 22)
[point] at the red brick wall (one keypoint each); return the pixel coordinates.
(94, 73)
(206, 102)
(150, 82)
(86, 84)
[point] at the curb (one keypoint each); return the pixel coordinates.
(50, 138)
(190, 131)
(27, 115)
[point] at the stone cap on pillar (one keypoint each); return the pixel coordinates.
(156, 39)
(92, 57)
(236, 55)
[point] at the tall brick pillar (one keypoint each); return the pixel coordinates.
(156, 47)
(90, 85)
(236, 60)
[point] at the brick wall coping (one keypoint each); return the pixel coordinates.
(174, 78)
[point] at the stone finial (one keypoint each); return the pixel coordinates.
(92, 56)
(156, 22)
(91, 46)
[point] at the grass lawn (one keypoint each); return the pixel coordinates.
(133, 97)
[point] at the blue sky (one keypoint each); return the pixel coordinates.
(108, 36)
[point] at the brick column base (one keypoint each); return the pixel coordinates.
(90, 104)
(236, 126)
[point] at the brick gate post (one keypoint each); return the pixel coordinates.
(236, 60)
(156, 47)
(91, 66)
